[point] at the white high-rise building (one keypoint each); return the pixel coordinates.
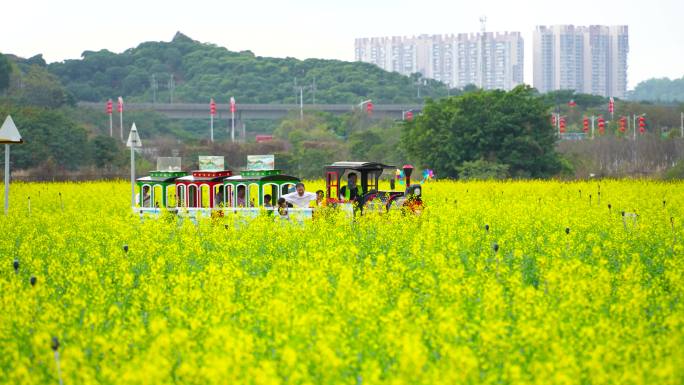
(489, 60)
(590, 59)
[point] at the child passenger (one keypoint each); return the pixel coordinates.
(282, 209)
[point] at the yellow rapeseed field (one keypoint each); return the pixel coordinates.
(495, 283)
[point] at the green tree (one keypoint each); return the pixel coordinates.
(507, 128)
(105, 151)
(5, 71)
(49, 136)
(41, 88)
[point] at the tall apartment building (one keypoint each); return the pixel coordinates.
(489, 60)
(591, 59)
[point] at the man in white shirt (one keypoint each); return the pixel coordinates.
(300, 198)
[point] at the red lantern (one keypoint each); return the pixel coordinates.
(562, 125)
(585, 124)
(553, 120)
(572, 103)
(601, 125)
(109, 107)
(611, 105)
(623, 124)
(409, 116)
(120, 105)
(642, 124)
(212, 107)
(369, 108)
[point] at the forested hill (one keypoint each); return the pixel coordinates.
(659, 90)
(202, 70)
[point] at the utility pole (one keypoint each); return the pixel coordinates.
(592, 126)
(301, 98)
(154, 88)
(313, 90)
(634, 117)
(172, 86)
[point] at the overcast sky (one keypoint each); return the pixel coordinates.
(325, 29)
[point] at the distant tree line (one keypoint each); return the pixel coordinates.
(659, 90)
(191, 71)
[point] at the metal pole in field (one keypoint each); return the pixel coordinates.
(132, 177)
(232, 119)
(120, 108)
(301, 103)
(8, 135)
(682, 123)
(634, 126)
(592, 126)
(212, 112)
(7, 157)
(111, 126)
(133, 142)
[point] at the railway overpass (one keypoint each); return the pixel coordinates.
(259, 111)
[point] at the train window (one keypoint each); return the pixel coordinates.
(219, 196)
(158, 195)
(205, 196)
(253, 195)
(170, 196)
(272, 191)
(192, 195)
(146, 196)
(241, 196)
(332, 185)
(229, 196)
(181, 195)
(287, 188)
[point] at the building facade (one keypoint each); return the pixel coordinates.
(587, 59)
(488, 60)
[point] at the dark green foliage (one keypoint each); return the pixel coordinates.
(530, 271)
(563, 97)
(482, 170)
(5, 70)
(201, 71)
(659, 90)
(676, 172)
(105, 151)
(505, 128)
(50, 138)
(41, 88)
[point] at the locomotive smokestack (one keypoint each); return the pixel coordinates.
(408, 170)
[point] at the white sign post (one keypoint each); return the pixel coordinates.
(133, 142)
(8, 135)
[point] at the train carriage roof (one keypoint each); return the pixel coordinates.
(359, 166)
(267, 178)
(193, 179)
(156, 179)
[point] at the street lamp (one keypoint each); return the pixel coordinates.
(8, 135)
(133, 142)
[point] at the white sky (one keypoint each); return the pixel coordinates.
(325, 29)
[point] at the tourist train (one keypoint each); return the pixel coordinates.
(214, 189)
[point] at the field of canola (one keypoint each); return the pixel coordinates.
(497, 282)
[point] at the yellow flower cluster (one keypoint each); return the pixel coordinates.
(495, 282)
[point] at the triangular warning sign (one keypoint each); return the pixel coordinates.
(133, 137)
(9, 133)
